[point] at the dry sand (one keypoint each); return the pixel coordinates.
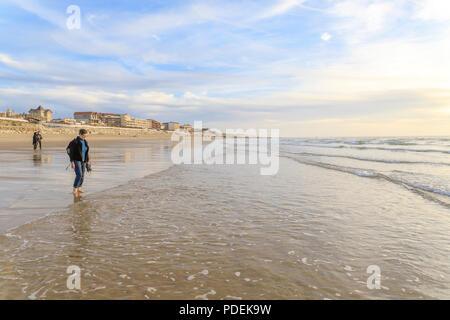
(19, 134)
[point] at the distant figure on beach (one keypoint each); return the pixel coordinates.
(78, 150)
(37, 138)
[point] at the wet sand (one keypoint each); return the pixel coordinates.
(35, 183)
(226, 232)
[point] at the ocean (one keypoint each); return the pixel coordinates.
(337, 210)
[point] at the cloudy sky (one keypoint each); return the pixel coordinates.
(307, 67)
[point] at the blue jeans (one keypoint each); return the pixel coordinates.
(80, 169)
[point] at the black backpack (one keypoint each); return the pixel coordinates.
(69, 148)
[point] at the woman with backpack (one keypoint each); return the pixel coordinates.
(78, 150)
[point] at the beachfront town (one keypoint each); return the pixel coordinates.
(42, 115)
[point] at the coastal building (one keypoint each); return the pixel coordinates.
(171, 126)
(188, 127)
(11, 114)
(40, 114)
(127, 121)
(110, 119)
(115, 120)
(107, 119)
(155, 124)
(92, 118)
(65, 121)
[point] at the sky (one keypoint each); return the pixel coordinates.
(305, 67)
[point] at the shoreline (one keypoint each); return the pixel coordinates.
(134, 237)
(116, 160)
(62, 140)
(204, 231)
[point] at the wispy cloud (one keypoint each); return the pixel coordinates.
(429, 10)
(281, 7)
(53, 16)
(234, 63)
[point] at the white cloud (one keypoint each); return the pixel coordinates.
(325, 36)
(6, 60)
(438, 10)
(20, 65)
(244, 75)
(360, 18)
(281, 7)
(55, 17)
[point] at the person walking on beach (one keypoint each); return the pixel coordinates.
(37, 138)
(78, 150)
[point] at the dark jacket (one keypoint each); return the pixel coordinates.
(36, 137)
(74, 149)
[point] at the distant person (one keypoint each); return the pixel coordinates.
(37, 138)
(78, 150)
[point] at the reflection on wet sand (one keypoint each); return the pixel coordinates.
(127, 156)
(38, 159)
(77, 198)
(80, 224)
(39, 182)
(226, 232)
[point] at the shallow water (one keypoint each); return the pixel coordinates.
(33, 184)
(226, 232)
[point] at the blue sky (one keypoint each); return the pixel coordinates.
(309, 68)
